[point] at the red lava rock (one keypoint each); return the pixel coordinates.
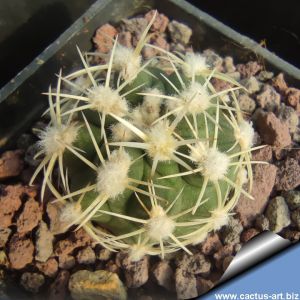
(48, 268)
(104, 38)
(263, 154)
(125, 39)
(263, 181)
(211, 244)
(272, 130)
(20, 252)
(248, 234)
(59, 288)
(249, 69)
(30, 216)
(220, 85)
(64, 247)
(66, 262)
(136, 273)
(279, 83)
(10, 202)
(158, 41)
(223, 252)
(204, 285)
(86, 256)
(288, 175)
(160, 23)
(293, 98)
(164, 275)
(77, 239)
(11, 164)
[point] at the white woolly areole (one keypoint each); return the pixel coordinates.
(113, 176)
(195, 98)
(137, 252)
(126, 62)
(194, 64)
(159, 226)
(219, 218)
(70, 212)
(55, 139)
(244, 134)
(161, 142)
(106, 100)
(215, 165)
(148, 112)
(120, 133)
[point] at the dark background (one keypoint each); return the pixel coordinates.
(27, 27)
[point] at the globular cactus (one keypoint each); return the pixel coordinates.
(149, 161)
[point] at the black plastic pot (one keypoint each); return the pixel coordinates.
(21, 102)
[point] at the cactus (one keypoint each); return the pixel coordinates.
(149, 159)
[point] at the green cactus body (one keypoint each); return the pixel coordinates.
(158, 160)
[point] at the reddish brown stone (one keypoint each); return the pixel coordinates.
(288, 175)
(164, 275)
(48, 268)
(279, 83)
(221, 254)
(30, 216)
(77, 239)
(249, 69)
(211, 244)
(125, 39)
(136, 273)
(11, 164)
(263, 181)
(263, 154)
(20, 252)
(10, 202)
(272, 130)
(160, 23)
(158, 41)
(248, 234)
(220, 85)
(104, 38)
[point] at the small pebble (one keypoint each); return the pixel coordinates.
(32, 282)
(278, 214)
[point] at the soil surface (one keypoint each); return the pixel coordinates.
(38, 257)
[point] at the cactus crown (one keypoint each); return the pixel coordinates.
(149, 161)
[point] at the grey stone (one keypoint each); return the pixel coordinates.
(32, 282)
(251, 84)
(231, 233)
(44, 242)
(180, 32)
(292, 199)
(262, 223)
(278, 214)
(295, 216)
(247, 104)
(86, 256)
(288, 115)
